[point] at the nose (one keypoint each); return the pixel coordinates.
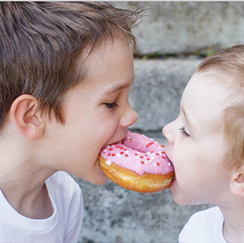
(168, 132)
(129, 117)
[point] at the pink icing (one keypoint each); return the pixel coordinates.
(138, 153)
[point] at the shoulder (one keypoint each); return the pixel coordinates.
(209, 214)
(61, 179)
(203, 226)
(67, 201)
(61, 185)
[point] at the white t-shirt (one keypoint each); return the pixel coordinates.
(204, 227)
(63, 226)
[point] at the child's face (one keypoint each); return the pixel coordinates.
(97, 112)
(196, 142)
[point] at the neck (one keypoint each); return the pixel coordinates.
(233, 229)
(22, 181)
(27, 194)
(24, 168)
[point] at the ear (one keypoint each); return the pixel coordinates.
(27, 117)
(237, 182)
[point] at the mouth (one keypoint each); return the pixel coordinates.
(169, 161)
(113, 143)
(109, 144)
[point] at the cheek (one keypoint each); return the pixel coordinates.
(196, 169)
(188, 163)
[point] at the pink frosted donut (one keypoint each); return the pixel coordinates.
(138, 163)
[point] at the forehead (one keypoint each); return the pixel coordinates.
(108, 67)
(109, 57)
(206, 95)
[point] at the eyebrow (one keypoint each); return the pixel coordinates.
(116, 87)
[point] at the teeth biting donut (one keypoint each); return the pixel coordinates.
(138, 163)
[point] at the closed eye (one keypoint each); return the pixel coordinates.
(111, 105)
(183, 131)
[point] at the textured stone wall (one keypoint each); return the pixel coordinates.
(188, 27)
(157, 89)
(179, 34)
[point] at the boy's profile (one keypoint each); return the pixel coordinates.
(65, 73)
(205, 145)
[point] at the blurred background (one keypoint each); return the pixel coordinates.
(173, 39)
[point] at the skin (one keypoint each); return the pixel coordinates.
(196, 143)
(196, 148)
(96, 112)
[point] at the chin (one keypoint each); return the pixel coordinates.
(101, 182)
(100, 178)
(184, 200)
(96, 177)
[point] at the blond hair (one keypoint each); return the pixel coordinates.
(230, 61)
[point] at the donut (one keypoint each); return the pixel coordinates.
(137, 163)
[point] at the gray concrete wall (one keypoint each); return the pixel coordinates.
(178, 33)
(188, 27)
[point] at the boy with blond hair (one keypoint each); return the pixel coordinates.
(206, 146)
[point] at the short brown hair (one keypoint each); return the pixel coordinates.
(40, 43)
(230, 61)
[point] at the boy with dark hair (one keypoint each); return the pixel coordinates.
(65, 74)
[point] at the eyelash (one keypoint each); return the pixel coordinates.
(111, 105)
(183, 131)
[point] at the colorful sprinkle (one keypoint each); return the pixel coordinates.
(108, 162)
(149, 154)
